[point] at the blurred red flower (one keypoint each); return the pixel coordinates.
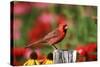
(92, 57)
(21, 8)
(40, 5)
(18, 51)
(91, 47)
(46, 17)
(17, 35)
(17, 23)
(91, 50)
(21, 52)
(81, 50)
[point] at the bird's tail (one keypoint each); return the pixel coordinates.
(37, 42)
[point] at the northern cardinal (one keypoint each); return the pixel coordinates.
(53, 37)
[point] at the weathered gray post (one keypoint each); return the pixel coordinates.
(62, 56)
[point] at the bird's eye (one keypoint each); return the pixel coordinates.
(65, 27)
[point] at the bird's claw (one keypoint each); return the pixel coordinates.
(54, 47)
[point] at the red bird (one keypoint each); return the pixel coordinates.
(53, 37)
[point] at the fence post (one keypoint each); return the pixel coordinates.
(62, 56)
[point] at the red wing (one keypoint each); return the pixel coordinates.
(52, 34)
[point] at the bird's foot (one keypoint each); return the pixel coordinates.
(54, 46)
